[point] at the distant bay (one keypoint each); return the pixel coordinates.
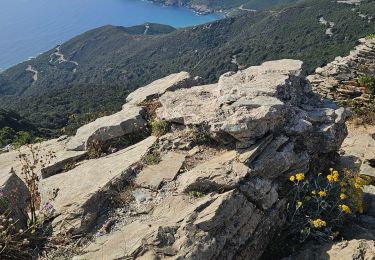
(29, 27)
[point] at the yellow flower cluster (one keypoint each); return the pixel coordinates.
(345, 209)
(319, 223)
(343, 196)
(298, 177)
(322, 193)
(334, 176)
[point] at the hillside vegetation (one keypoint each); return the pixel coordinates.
(14, 129)
(103, 65)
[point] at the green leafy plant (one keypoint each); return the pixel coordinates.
(201, 135)
(368, 82)
(370, 36)
(95, 150)
(319, 207)
(152, 158)
(196, 194)
(159, 127)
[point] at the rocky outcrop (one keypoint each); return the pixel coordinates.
(208, 189)
(223, 201)
(338, 80)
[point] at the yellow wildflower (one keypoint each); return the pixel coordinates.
(342, 196)
(345, 209)
(319, 223)
(343, 184)
(299, 204)
(357, 185)
(335, 176)
(322, 193)
(292, 178)
(300, 176)
(330, 178)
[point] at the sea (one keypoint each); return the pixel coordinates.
(30, 27)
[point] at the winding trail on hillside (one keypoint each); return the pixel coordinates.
(246, 9)
(59, 57)
(34, 71)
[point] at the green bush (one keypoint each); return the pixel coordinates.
(319, 207)
(201, 135)
(152, 158)
(368, 82)
(159, 127)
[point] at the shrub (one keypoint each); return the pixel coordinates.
(95, 150)
(370, 36)
(159, 127)
(31, 162)
(152, 158)
(368, 82)
(319, 207)
(196, 194)
(201, 135)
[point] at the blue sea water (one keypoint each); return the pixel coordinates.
(29, 27)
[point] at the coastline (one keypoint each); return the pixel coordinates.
(19, 54)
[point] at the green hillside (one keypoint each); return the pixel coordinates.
(14, 129)
(113, 61)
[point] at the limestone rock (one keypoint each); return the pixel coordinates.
(220, 173)
(251, 103)
(82, 191)
(129, 120)
(159, 87)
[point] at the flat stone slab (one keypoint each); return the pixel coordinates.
(129, 120)
(81, 191)
(10, 160)
(159, 87)
(154, 175)
(223, 172)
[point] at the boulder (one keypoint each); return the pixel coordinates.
(159, 87)
(131, 119)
